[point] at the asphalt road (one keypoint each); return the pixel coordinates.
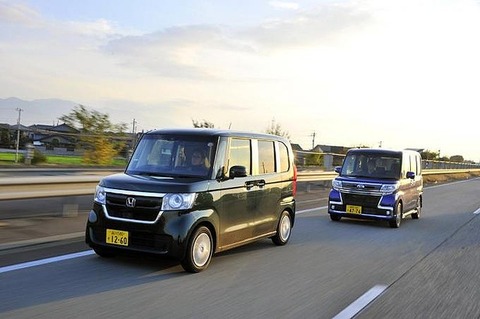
(428, 268)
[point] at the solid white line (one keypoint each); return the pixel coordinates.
(361, 302)
(310, 210)
(476, 212)
(45, 261)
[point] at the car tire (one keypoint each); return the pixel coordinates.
(395, 223)
(284, 229)
(104, 252)
(418, 212)
(199, 250)
(335, 217)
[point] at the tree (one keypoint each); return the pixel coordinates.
(98, 134)
(457, 158)
(205, 124)
(5, 140)
(429, 155)
(276, 129)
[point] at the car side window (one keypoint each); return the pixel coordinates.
(283, 153)
(240, 154)
(266, 157)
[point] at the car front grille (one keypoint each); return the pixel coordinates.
(144, 208)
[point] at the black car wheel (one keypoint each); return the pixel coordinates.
(335, 217)
(104, 252)
(284, 229)
(199, 251)
(395, 223)
(418, 212)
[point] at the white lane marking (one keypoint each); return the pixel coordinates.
(313, 200)
(310, 210)
(86, 253)
(361, 302)
(45, 261)
(476, 212)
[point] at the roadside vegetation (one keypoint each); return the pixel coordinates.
(445, 178)
(7, 160)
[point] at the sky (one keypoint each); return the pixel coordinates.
(396, 74)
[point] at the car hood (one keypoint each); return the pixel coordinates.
(155, 184)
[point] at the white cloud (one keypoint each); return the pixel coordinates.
(284, 5)
(354, 72)
(19, 14)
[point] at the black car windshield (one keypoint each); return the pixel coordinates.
(173, 156)
(374, 165)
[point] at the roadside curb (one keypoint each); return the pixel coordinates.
(43, 240)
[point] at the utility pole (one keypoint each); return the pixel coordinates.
(18, 132)
(313, 140)
(134, 126)
(134, 129)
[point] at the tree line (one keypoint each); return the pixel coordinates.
(103, 140)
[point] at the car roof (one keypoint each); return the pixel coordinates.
(380, 150)
(216, 132)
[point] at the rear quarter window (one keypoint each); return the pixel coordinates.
(284, 157)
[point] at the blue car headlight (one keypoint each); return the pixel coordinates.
(389, 188)
(336, 184)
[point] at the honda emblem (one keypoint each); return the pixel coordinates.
(130, 202)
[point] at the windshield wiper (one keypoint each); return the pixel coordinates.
(149, 174)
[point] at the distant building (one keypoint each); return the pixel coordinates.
(54, 136)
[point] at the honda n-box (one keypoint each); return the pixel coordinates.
(190, 193)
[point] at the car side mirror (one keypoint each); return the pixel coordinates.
(411, 175)
(338, 169)
(237, 171)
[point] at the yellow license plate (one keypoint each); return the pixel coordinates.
(117, 237)
(352, 209)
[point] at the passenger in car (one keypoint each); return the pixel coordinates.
(371, 166)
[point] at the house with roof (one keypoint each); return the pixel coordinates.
(50, 137)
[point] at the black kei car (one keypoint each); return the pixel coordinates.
(189, 193)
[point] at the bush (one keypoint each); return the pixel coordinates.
(38, 158)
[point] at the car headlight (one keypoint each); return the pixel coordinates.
(100, 195)
(178, 201)
(388, 188)
(336, 184)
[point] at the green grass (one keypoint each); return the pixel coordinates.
(7, 159)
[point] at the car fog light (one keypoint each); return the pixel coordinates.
(92, 217)
(388, 213)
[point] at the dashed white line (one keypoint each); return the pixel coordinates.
(309, 210)
(355, 307)
(88, 252)
(45, 261)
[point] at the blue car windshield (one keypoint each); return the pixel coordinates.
(173, 156)
(373, 165)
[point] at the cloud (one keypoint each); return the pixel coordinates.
(19, 14)
(284, 5)
(358, 61)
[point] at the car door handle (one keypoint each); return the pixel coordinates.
(250, 184)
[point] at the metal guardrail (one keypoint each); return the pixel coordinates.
(13, 188)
